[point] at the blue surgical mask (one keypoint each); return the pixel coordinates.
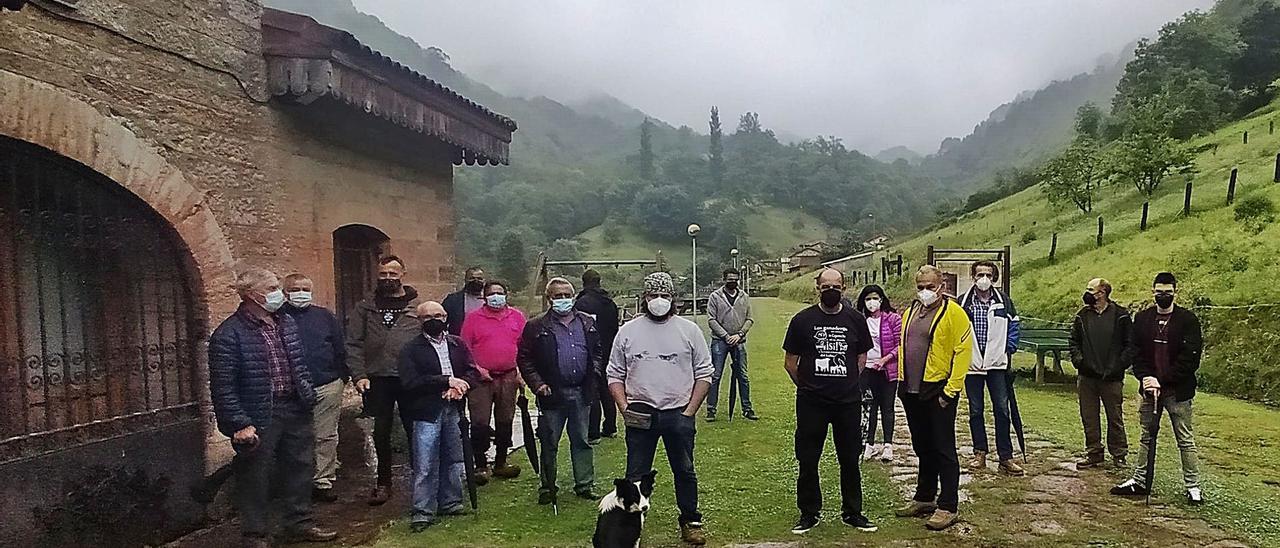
(562, 306)
(300, 299)
(497, 300)
(274, 300)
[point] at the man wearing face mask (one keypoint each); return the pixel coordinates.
(1166, 347)
(826, 349)
(262, 397)
(466, 300)
(598, 303)
(562, 361)
(659, 374)
(995, 331)
(377, 329)
(729, 317)
(1099, 350)
(492, 334)
(326, 360)
(933, 357)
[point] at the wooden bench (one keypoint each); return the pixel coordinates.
(1044, 341)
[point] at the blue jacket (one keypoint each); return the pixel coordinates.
(422, 382)
(326, 350)
(239, 377)
(1003, 331)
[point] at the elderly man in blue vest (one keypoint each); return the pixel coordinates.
(995, 331)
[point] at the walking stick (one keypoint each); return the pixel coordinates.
(1151, 449)
(468, 453)
(733, 388)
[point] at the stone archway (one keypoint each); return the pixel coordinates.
(43, 115)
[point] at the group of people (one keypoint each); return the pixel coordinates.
(279, 364)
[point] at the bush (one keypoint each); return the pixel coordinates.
(612, 233)
(1029, 236)
(1256, 212)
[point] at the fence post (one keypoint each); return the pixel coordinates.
(1053, 248)
(1145, 206)
(1271, 127)
(1231, 187)
(1099, 231)
(1246, 137)
(899, 265)
(1012, 229)
(1186, 201)
(1276, 178)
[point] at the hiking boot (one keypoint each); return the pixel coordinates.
(586, 494)
(887, 454)
(979, 461)
(1119, 463)
(750, 415)
(458, 510)
(915, 509)
(311, 534)
(941, 519)
(482, 475)
(593, 441)
(1010, 468)
(1195, 497)
(691, 533)
(420, 526)
(807, 523)
(1130, 488)
(380, 495)
(711, 416)
(323, 494)
(870, 452)
(1091, 461)
(544, 498)
(506, 471)
(860, 522)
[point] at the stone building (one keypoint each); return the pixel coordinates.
(147, 149)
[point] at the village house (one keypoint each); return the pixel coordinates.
(147, 150)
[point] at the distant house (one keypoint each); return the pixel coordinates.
(807, 255)
(849, 263)
(876, 243)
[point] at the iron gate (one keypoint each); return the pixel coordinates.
(98, 330)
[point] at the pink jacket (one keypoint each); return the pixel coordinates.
(890, 337)
(491, 337)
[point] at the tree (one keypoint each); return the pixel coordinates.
(512, 261)
(1146, 154)
(716, 152)
(663, 212)
(1074, 175)
(646, 150)
(1088, 121)
(749, 122)
(1259, 62)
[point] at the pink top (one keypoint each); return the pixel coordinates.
(491, 336)
(890, 333)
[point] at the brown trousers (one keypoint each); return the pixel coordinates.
(1096, 395)
(493, 401)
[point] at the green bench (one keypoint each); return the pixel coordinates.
(1044, 341)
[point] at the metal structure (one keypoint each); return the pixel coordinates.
(955, 264)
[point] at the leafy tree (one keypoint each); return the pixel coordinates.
(663, 212)
(1259, 62)
(1146, 154)
(1074, 175)
(749, 122)
(512, 260)
(646, 150)
(1089, 120)
(716, 150)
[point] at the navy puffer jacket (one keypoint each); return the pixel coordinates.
(240, 378)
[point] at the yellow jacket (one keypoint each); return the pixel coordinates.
(950, 349)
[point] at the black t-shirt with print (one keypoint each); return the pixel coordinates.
(828, 346)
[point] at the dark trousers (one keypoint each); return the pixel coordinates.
(812, 418)
(877, 399)
(570, 414)
(286, 448)
(933, 438)
(720, 353)
(677, 433)
(604, 415)
(997, 384)
(1095, 395)
(380, 403)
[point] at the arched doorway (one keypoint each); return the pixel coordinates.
(98, 344)
(356, 250)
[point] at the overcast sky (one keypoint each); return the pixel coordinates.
(877, 73)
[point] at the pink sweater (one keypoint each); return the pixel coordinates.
(491, 336)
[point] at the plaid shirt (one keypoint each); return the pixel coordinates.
(979, 311)
(282, 381)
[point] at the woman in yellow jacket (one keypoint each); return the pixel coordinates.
(933, 358)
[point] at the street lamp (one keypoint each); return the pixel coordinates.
(694, 229)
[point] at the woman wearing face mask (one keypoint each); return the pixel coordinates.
(880, 378)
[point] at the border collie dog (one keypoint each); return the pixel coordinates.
(622, 513)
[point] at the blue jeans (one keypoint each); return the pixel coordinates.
(677, 433)
(437, 466)
(997, 383)
(721, 350)
(573, 412)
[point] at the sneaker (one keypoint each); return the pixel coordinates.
(323, 494)
(1119, 463)
(458, 510)
(587, 494)
(506, 471)
(544, 498)
(310, 534)
(860, 522)
(887, 454)
(1011, 468)
(870, 452)
(979, 461)
(941, 519)
(593, 441)
(915, 509)
(482, 475)
(805, 524)
(1130, 488)
(380, 495)
(750, 415)
(609, 435)
(1194, 496)
(711, 416)
(419, 526)
(1090, 462)
(691, 533)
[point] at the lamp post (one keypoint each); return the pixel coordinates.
(734, 253)
(694, 229)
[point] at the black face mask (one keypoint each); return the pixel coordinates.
(473, 286)
(388, 286)
(1090, 299)
(433, 327)
(731, 286)
(830, 297)
(1164, 301)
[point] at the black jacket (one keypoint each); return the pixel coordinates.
(455, 305)
(240, 377)
(326, 351)
(599, 304)
(539, 361)
(372, 347)
(1118, 354)
(422, 384)
(1185, 347)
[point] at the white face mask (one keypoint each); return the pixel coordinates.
(927, 297)
(659, 306)
(300, 299)
(983, 283)
(873, 305)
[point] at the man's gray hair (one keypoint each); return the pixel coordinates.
(929, 269)
(251, 278)
(558, 281)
